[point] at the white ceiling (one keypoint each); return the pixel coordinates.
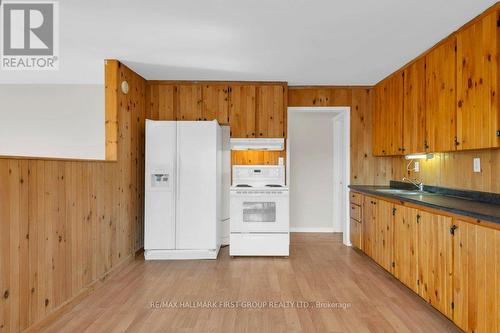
(337, 42)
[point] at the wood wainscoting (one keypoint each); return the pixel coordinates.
(65, 224)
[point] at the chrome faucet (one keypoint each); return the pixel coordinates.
(418, 184)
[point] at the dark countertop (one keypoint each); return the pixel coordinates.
(462, 205)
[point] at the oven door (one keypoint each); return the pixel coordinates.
(259, 211)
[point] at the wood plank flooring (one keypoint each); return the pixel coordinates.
(319, 269)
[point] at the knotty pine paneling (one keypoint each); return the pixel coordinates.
(365, 169)
(447, 169)
(455, 170)
(256, 157)
(65, 224)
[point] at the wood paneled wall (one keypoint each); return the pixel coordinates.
(455, 170)
(448, 169)
(365, 169)
(65, 224)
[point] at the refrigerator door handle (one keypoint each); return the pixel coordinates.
(178, 177)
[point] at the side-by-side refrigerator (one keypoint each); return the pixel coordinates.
(183, 208)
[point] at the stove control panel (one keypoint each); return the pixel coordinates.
(259, 175)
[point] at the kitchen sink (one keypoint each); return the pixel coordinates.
(402, 192)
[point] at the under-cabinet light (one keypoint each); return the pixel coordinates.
(419, 157)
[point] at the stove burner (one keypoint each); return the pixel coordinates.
(273, 185)
(243, 185)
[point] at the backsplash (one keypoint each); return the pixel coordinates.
(454, 170)
(253, 157)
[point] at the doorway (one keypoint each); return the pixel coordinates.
(318, 168)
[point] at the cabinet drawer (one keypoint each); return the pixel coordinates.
(356, 212)
(355, 233)
(356, 198)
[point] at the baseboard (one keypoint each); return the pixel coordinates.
(72, 302)
(181, 254)
(308, 229)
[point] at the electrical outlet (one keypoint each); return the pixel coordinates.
(417, 166)
(281, 160)
(477, 164)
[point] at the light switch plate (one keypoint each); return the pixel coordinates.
(477, 164)
(417, 166)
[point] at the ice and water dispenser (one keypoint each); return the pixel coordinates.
(160, 179)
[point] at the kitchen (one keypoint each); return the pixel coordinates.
(184, 220)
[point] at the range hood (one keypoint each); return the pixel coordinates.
(258, 144)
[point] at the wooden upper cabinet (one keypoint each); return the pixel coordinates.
(216, 103)
(414, 138)
(477, 84)
(160, 102)
(395, 113)
(270, 111)
(388, 116)
(441, 97)
(189, 102)
(377, 137)
(242, 110)
(476, 265)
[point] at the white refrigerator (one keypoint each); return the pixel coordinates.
(183, 190)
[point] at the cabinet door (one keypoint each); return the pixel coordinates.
(394, 126)
(414, 108)
(242, 109)
(388, 116)
(216, 103)
(440, 97)
(368, 225)
(378, 121)
(270, 111)
(160, 102)
(477, 84)
(189, 102)
(384, 234)
(434, 246)
(476, 278)
(355, 233)
(405, 246)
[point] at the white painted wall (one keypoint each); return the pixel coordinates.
(311, 171)
(63, 121)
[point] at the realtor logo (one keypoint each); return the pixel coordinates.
(30, 35)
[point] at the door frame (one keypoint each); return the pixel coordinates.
(340, 204)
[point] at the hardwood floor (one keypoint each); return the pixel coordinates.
(319, 269)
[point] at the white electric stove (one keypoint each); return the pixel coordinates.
(259, 211)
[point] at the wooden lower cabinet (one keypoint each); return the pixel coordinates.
(476, 278)
(434, 244)
(378, 230)
(384, 234)
(405, 246)
(452, 264)
(368, 225)
(355, 230)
